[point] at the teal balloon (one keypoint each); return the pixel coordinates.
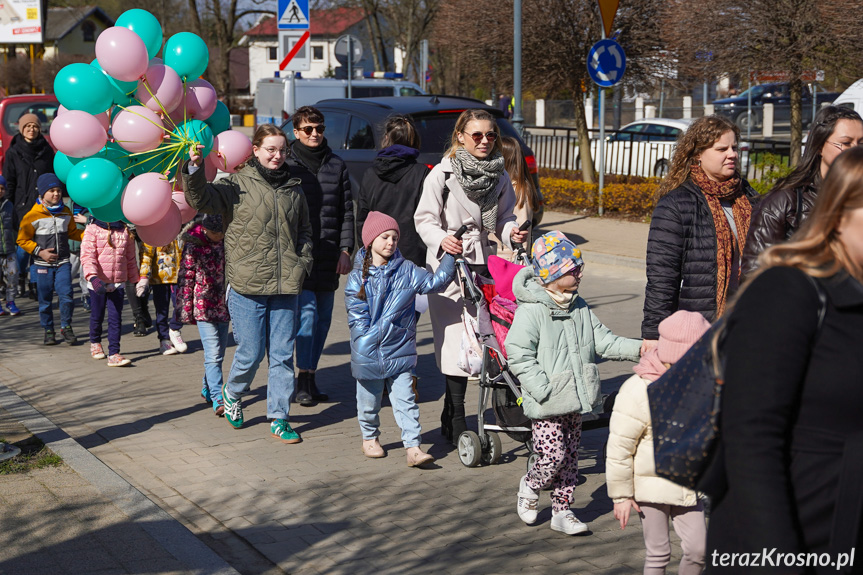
(163, 160)
(115, 154)
(187, 54)
(63, 164)
(196, 131)
(112, 212)
(122, 93)
(144, 25)
(220, 120)
(83, 87)
(94, 182)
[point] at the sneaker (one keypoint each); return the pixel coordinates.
(96, 351)
(49, 337)
(68, 335)
(165, 348)
(2, 311)
(177, 340)
(218, 408)
(527, 500)
(13, 309)
(85, 301)
(281, 429)
(118, 360)
(140, 328)
(205, 392)
(233, 409)
(566, 522)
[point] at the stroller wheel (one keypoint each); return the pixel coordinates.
(469, 449)
(493, 450)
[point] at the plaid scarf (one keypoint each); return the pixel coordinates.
(731, 190)
(478, 178)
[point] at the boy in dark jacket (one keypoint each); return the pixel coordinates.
(45, 233)
(8, 248)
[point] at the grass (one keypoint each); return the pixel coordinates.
(34, 455)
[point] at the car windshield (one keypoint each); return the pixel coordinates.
(756, 92)
(45, 111)
(436, 130)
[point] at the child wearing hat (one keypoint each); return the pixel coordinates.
(552, 348)
(379, 296)
(629, 468)
(45, 233)
(8, 251)
(201, 299)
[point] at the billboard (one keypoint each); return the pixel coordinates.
(20, 22)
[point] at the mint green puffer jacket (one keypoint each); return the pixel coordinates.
(553, 351)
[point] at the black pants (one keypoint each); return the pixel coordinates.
(452, 420)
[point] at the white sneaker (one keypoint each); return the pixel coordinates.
(566, 522)
(166, 348)
(527, 499)
(177, 340)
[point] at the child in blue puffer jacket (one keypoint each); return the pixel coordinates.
(379, 297)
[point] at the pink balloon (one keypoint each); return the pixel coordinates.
(210, 170)
(187, 212)
(104, 118)
(161, 89)
(146, 199)
(138, 129)
(78, 134)
(122, 54)
(200, 100)
(230, 149)
(165, 230)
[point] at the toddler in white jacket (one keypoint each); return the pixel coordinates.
(629, 468)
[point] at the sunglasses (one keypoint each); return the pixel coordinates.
(478, 136)
(309, 129)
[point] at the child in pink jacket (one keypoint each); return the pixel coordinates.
(109, 261)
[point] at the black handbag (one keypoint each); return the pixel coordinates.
(684, 410)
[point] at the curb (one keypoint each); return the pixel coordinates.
(614, 260)
(172, 535)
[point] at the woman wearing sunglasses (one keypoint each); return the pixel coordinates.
(469, 187)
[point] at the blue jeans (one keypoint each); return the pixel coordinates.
(113, 302)
(405, 408)
(24, 263)
(48, 280)
(165, 296)
(315, 316)
(264, 324)
(214, 338)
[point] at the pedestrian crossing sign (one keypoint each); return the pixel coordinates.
(293, 14)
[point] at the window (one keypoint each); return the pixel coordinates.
(45, 111)
(88, 29)
(409, 91)
(337, 128)
(371, 91)
(317, 52)
(272, 53)
(360, 136)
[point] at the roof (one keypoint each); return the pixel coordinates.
(61, 21)
(426, 104)
(330, 22)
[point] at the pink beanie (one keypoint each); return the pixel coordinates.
(376, 224)
(678, 332)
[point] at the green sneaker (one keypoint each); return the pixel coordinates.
(233, 409)
(281, 429)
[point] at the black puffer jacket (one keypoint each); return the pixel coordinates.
(681, 257)
(23, 165)
(331, 208)
(775, 220)
(393, 186)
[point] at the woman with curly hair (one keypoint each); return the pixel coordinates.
(698, 228)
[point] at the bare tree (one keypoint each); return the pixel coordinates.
(410, 22)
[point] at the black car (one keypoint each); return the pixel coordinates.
(355, 128)
(779, 94)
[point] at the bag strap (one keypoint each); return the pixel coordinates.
(445, 194)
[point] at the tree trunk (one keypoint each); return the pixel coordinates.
(374, 44)
(382, 47)
(588, 174)
(796, 120)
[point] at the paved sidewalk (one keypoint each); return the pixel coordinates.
(163, 464)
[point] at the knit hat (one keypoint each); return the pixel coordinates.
(28, 119)
(47, 181)
(678, 332)
(212, 222)
(2, 181)
(554, 255)
(376, 224)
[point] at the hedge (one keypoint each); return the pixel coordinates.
(633, 199)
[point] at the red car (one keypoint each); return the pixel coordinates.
(13, 107)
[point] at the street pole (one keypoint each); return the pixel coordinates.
(424, 64)
(517, 119)
(350, 62)
(749, 111)
(601, 138)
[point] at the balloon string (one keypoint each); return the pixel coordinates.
(161, 126)
(161, 106)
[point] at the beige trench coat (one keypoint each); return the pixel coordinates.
(434, 222)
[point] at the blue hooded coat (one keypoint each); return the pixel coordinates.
(384, 326)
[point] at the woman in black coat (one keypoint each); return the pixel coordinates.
(779, 214)
(792, 431)
(698, 227)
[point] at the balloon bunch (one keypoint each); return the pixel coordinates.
(128, 119)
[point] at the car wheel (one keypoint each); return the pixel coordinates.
(742, 121)
(660, 170)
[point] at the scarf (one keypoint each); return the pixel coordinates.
(478, 178)
(562, 299)
(313, 158)
(277, 178)
(649, 367)
(730, 190)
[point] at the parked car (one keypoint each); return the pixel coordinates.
(778, 94)
(852, 97)
(355, 129)
(13, 107)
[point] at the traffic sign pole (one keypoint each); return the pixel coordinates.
(601, 139)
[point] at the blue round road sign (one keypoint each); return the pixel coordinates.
(606, 63)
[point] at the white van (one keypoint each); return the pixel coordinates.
(852, 97)
(274, 101)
